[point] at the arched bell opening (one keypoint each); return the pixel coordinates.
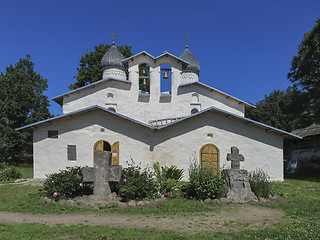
(165, 78)
(144, 77)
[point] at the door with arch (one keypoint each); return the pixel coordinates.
(210, 156)
(106, 146)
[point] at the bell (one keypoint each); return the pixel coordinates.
(144, 81)
(165, 75)
(143, 71)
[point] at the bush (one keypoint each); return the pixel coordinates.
(9, 173)
(168, 179)
(67, 183)
(135, 183)
(204, 182)
(260, 184)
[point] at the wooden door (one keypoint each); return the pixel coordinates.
(115, 153)
(209, 156)
(101, 145)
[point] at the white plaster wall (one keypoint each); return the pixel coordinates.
(189, 77)
(114, 72)
(174, 145)
(128, 102)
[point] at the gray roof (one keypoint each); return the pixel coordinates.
(112, 59)
(193, 63)
(210, 109)
(312, 130)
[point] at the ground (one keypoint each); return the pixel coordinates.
(230, 218)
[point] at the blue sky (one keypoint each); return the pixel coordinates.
(244, 47)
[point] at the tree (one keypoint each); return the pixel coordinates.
(286, 110)
(21, 103)
(89, 70)
(305, 68)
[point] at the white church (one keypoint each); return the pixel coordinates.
(127, 113)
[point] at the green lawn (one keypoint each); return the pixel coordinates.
(301, 205)
(26, 170)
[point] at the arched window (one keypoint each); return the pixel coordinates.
(112, 109)
(110, 98)
(195, 98)
(144, 77)
(165, 83)
(194, 110)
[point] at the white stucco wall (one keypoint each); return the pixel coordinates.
(127, 100)
(174, 145)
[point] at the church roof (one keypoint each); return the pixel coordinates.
(59, 99)
(211, 109)
(112, 59)
(312, 130)
(81, 111)
(232, 115)
(194, 65)
(218, 91)
(144, 53)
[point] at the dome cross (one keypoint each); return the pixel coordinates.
(187, 39)
(113, 35)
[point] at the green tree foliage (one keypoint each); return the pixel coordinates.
(89, 70)
(305, 68)
(21, 102)
(286, 110)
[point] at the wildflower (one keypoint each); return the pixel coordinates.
(55, 194)
(166, 194)
(124, 179)
(81, 184)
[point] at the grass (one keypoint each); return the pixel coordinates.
(26, 170)
(168, 207)
(302, 207)
(297, 231)
(17, 198)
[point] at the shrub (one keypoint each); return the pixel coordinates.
(67, 183)
(9, 173)
(135, 183)
(168, 179)
(204, 182)
(260, 184)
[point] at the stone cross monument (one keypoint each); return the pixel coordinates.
(235, 158)
(102, 174)
(236, 179)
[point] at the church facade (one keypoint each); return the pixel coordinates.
(129, 114)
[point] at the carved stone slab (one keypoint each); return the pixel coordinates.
(235, 158)
(102, 174)
(236, 179)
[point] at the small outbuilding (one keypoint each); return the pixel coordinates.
(302, 156)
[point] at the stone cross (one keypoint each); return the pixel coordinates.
(102, 174)
(235, 158)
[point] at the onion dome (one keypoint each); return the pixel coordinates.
(112, 59)
(193, 66)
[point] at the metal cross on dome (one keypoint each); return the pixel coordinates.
(187, 39)
(113, 35)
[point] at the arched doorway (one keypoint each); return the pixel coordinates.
(209, 156)
(106, 146)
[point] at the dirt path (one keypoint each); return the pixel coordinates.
(232, 217)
